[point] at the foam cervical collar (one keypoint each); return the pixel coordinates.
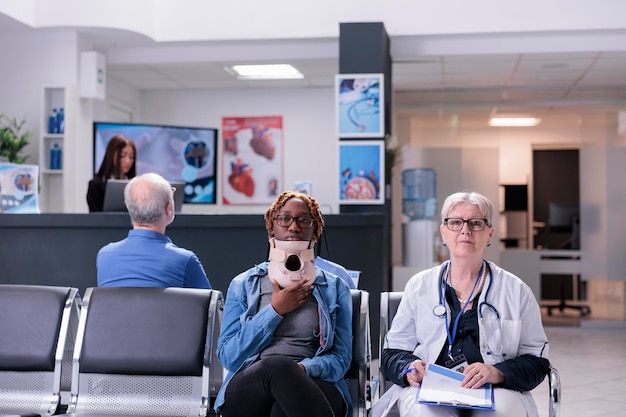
(291, 261)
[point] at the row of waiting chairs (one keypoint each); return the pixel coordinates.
(122, 351)
(142, 351)
(127, 351)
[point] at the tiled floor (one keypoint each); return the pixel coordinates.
(591, 360)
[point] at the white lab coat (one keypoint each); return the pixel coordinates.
(416, 329)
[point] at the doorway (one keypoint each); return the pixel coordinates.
(556, 189)
(556, 218)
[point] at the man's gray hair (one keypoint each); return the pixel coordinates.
(145, 196)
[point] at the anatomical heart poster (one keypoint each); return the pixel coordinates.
(252, 159)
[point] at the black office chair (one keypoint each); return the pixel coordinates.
(389, 302)
(358, 375)
(38, 328)
(146, 352)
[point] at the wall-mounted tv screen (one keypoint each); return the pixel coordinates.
(177, 153)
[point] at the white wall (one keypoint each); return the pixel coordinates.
(120, 98)
(32, 61)
(310, 142)
(603, 199)
(53, 59)
(514, 146)
(28, 63)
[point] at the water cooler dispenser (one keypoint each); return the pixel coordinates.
(421, 239)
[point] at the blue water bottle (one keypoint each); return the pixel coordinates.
(53, 126)
(60, 121)
(55, 157)
(419, 193)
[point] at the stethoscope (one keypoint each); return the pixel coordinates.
(354, 113)
(440, 309)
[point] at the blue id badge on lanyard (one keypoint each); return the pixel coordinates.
(458, 363)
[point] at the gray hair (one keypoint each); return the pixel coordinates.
(468, 197)
(146, 196)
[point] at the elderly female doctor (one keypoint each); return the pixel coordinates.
(470, 315)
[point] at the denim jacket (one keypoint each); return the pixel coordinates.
(246, 331)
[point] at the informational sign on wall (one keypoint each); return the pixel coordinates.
(361, 174)
(360, 105)
(18, 188)
(252, 159)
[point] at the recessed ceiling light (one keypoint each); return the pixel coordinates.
(514, 121)
(265, 72)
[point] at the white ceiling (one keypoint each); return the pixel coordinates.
(468, 86)
(465, 85)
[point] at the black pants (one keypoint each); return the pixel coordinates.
(277, 387)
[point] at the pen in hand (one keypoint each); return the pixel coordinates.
(413, 378)
(407, 371)
(418, 366)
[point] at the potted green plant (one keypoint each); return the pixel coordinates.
(12, 139)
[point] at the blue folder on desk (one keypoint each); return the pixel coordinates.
(442, 386)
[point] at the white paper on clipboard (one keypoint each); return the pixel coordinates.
(442, 386)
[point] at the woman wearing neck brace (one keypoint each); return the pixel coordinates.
(286, 336)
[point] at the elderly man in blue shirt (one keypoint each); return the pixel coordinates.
(147, 257)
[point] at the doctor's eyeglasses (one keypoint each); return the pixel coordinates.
(456, 223)
(285, 220)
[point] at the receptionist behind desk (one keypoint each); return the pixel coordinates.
(118, 163)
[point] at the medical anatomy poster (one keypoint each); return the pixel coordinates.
(361, 174)
(252, 159)
(18, 188)
(360, 105)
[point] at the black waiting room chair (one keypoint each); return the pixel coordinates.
(147, 352)
(38, 327)
(358, 375)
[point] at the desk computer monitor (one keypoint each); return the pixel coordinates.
(565, 218)
(114, 196)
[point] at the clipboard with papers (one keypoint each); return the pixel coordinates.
(442, 386)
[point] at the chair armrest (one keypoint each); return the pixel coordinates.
(554, 382)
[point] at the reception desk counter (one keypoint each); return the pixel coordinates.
(60, 249)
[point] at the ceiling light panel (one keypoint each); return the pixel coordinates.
(514, 121)
(266, 72)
